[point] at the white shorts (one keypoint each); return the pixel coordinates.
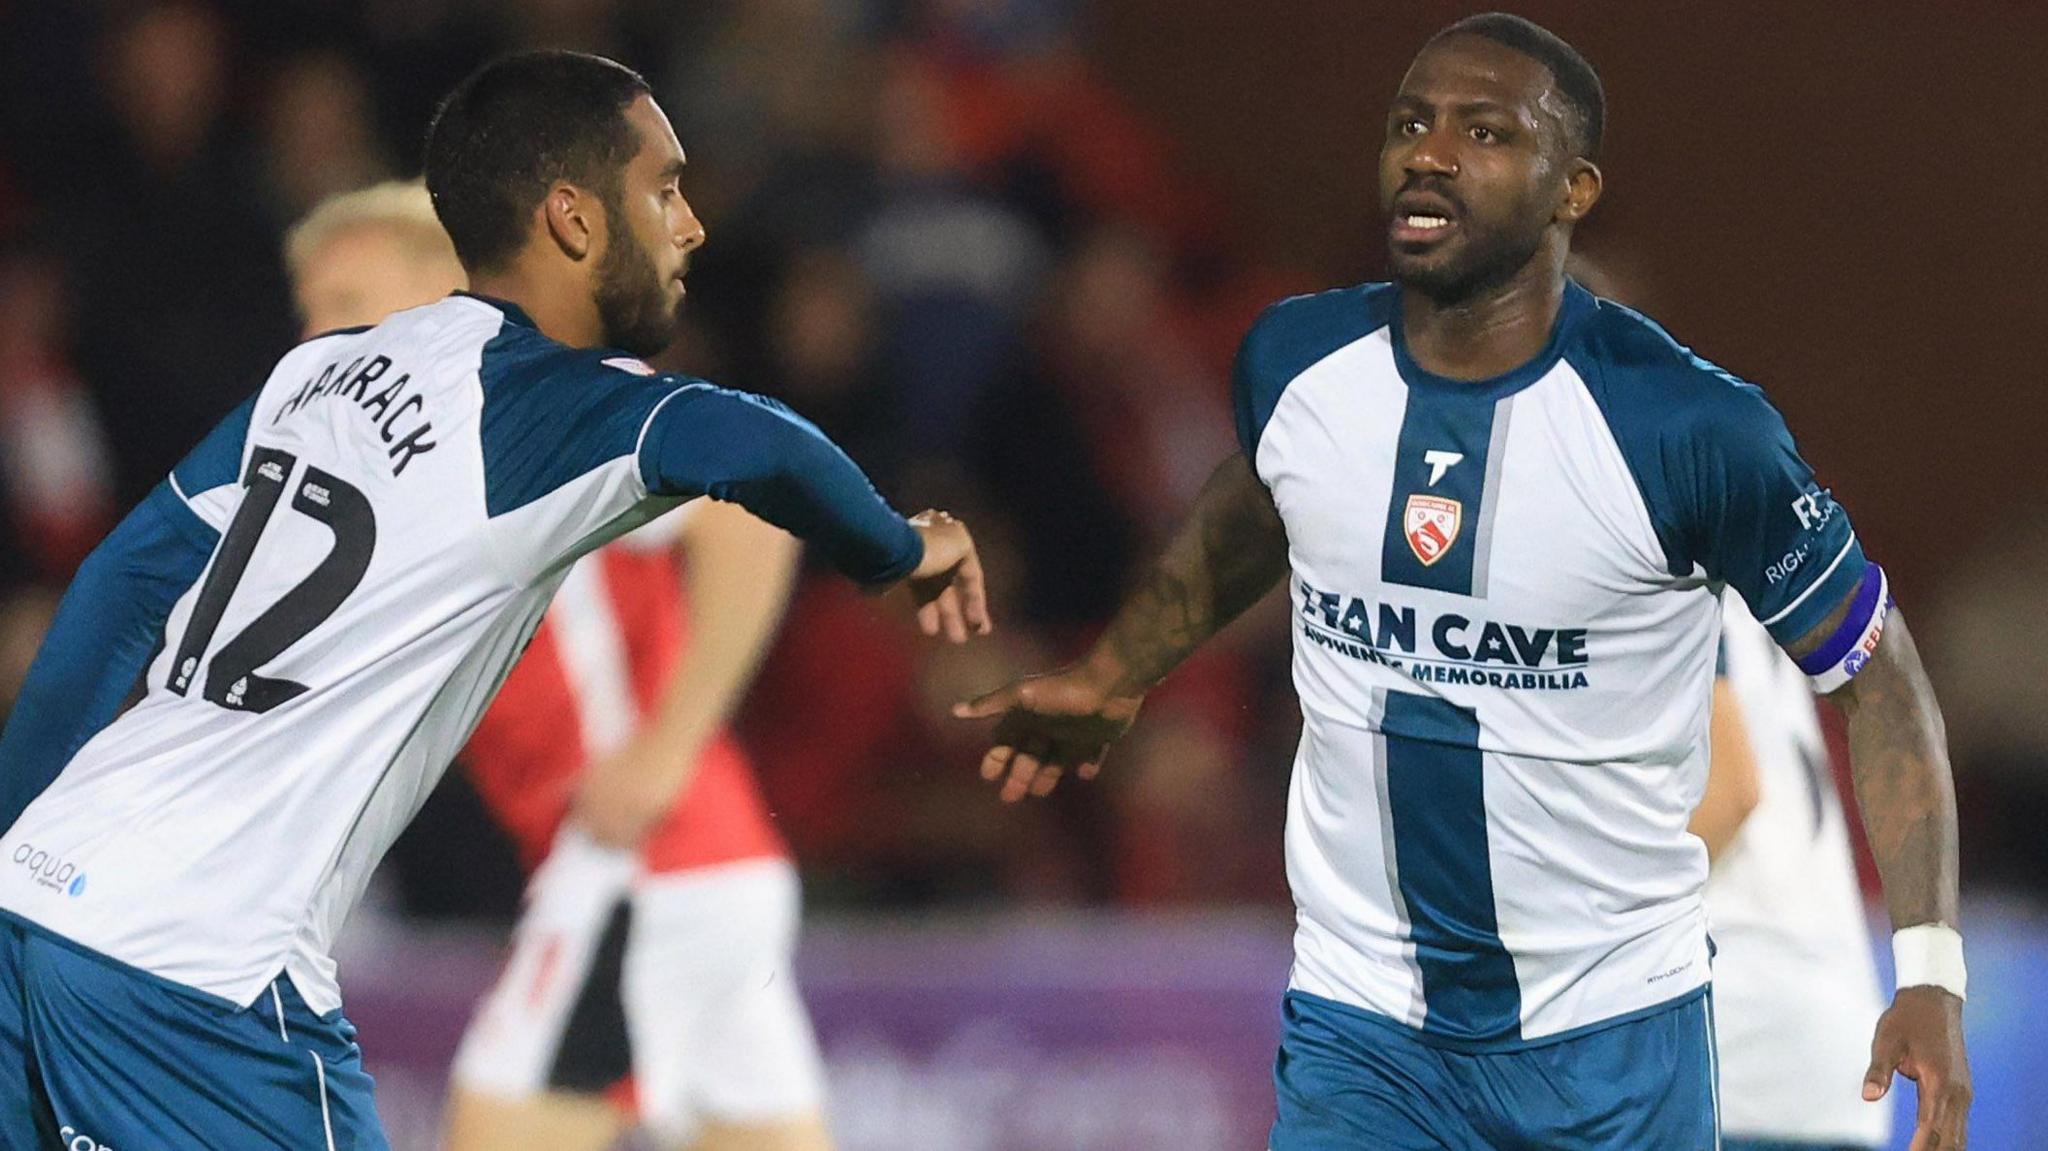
(681, 981)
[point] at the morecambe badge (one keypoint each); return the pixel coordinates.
(1431, 525)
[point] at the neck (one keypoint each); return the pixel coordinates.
(1495, 330)
(564, 312)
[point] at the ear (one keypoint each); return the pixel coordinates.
(573, 219)
(1582, 186)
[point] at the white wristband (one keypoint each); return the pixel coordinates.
(1930, 955)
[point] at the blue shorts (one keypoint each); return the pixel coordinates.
(1348, 1078)
(94, 1053)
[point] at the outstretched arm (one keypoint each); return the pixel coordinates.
(1898, 753)
(755, 452)
(1231, 550)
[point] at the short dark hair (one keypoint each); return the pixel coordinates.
(1575, 78)
(514, 128)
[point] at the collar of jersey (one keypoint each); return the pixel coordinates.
(1577, 303)
(513, 312)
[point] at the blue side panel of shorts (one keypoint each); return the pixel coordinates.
(128, 1059)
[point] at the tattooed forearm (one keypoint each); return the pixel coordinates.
(1898, 752)
(1231, 551)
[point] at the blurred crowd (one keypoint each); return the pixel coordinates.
(934, 229)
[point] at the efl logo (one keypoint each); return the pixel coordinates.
(1431, 525)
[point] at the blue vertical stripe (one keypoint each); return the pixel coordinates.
(1446, 424)
(1437, 795)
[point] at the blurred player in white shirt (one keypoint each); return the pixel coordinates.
(612, 1008)
(1795, 987)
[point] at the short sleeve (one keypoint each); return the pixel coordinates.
(1290, 337)
(1726, 490)
(1253, 391)
(554, 415)
(207, 477)
(1758, 521)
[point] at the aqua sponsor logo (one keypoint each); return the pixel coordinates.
(50, 871)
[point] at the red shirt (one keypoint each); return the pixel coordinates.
(599, 663)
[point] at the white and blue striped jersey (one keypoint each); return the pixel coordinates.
(1796, 997)
(316, 608)
(1505, 622)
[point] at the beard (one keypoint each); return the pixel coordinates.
(1484, 262)
(631, 302)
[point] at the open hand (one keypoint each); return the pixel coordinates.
(1921, 1037)
(1049, 725)
(947, 586)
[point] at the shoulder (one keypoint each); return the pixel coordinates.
(553, 413)
(1294, 334)
(1654, 389)
(525, 374)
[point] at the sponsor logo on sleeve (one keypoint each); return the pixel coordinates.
(1814, 508)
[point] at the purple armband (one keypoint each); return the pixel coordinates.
(1837, 660)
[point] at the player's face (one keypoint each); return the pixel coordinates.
(1473, 169)
(650, 233)
(362, 274)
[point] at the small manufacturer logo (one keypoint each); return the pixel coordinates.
(50, 871)
(1431, 525)
(1440, 462)
(629, 364)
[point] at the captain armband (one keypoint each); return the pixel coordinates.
(1837, 660)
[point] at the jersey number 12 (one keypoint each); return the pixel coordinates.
(231, 679)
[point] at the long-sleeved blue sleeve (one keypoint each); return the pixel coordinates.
(107, 625)
(755, 452)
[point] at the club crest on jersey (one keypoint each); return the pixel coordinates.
(1431, 525)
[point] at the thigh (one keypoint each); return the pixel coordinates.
(128, 1060)
(25, 1116)
(1343, 1081)
(1649, 1082)
(553, 1021)
(545, 1121)
(719, 1030)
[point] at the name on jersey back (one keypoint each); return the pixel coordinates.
(387, 408)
